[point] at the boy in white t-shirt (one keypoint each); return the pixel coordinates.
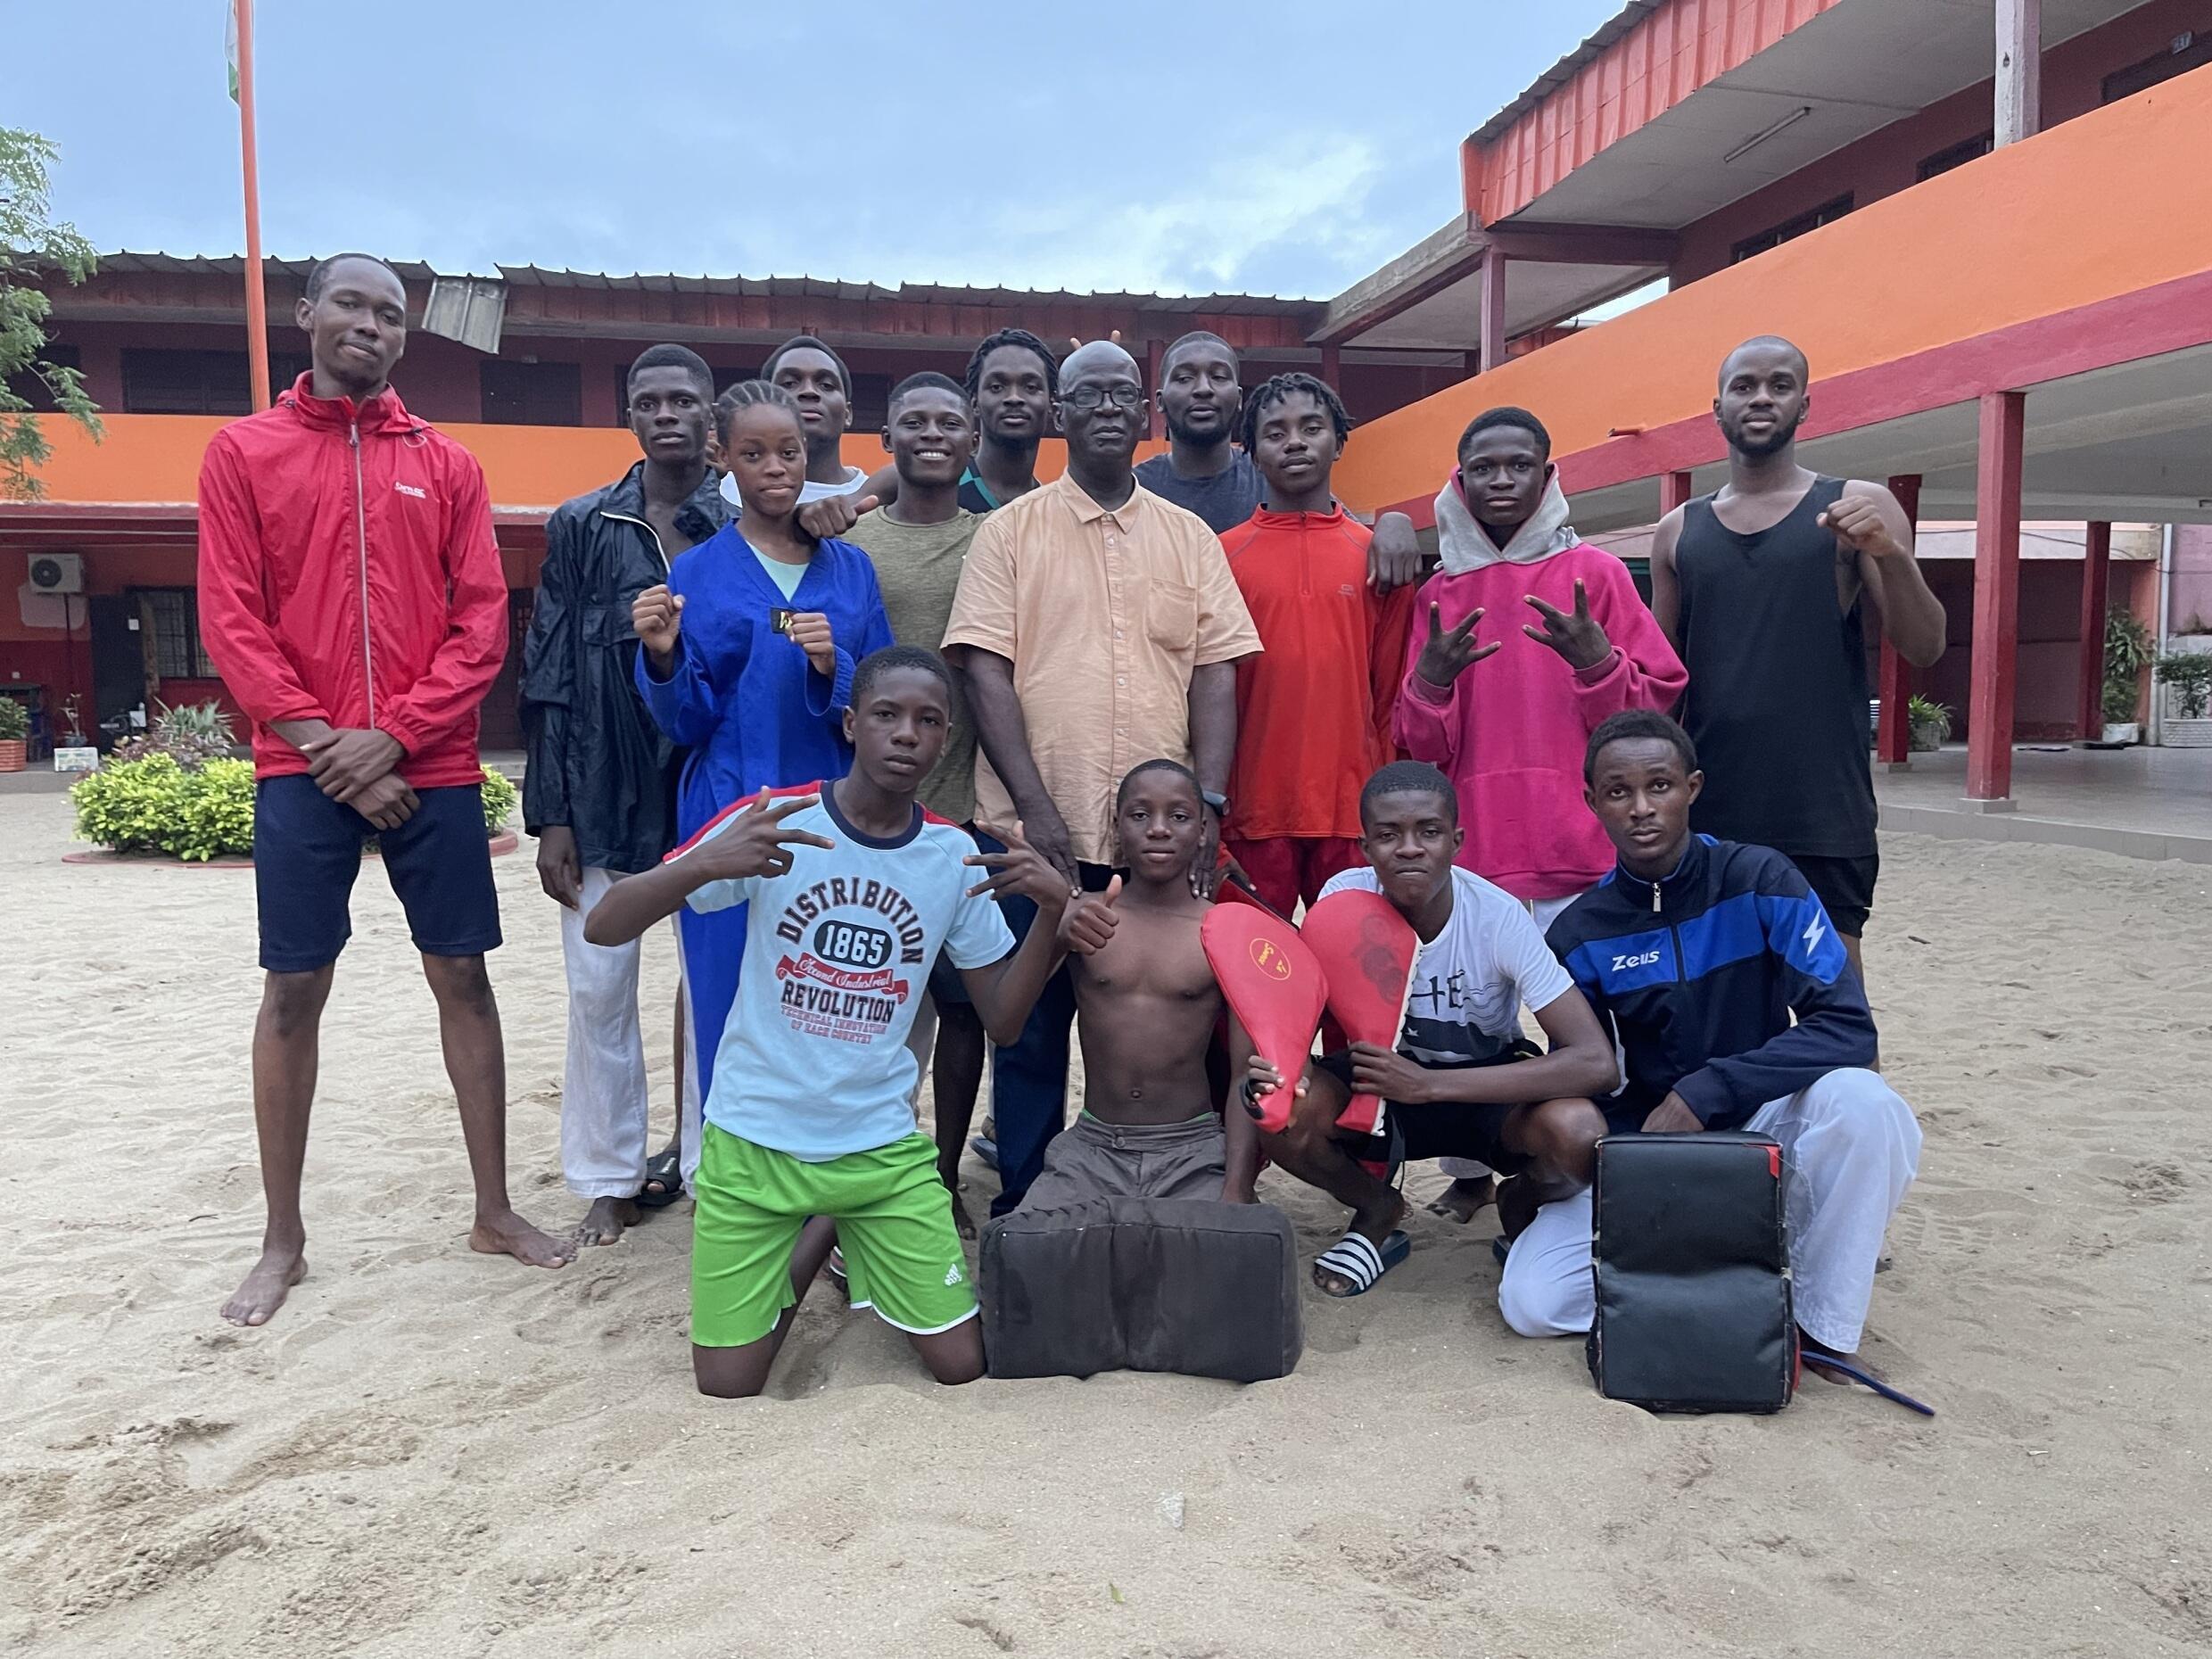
(1449, 1088)
(855, 889)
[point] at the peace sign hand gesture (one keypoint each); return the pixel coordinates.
(1448, 652)
(757, 843)
(1021, 870)
(1579, 638)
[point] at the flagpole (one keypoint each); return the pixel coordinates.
(256, 298)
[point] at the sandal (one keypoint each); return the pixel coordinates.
(1356, 1259)
(665, 1170)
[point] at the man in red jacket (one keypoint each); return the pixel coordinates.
(352, 598)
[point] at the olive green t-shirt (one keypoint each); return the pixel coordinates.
(918, 569)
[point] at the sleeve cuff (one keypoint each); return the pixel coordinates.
(840, 688)
(1422, 691)
(1597, 672)
(1704, 1093)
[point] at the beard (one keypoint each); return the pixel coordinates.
(1775, 442)
(1199, 439)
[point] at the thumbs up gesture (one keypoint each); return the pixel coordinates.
(1090, 920)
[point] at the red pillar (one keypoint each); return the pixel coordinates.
(1894, 745)
(1675, 490)
(1155, 353)
(1996, 596)
(1333, 367)
(2096, 555)
(1493, 341)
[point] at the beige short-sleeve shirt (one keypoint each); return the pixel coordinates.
(1104, 615)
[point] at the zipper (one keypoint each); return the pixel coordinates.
(361, 535)
(624, 518)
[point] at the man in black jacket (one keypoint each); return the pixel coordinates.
(601, 790)
(1699, 952)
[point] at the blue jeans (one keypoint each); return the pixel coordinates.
(1030, 1080)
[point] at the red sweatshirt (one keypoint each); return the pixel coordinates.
(1313, 710)
(1511, 730)
(347, 572)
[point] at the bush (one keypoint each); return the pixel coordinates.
(191, 734)
(498, 801)
(155, 805)
(15, 721)
(2187, 677)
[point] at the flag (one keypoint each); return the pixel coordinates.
(230, 43)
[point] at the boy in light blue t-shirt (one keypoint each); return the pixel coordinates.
(855, 889)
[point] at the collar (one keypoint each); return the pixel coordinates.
(699, 517)
(1465, 545)
(1646, 894)
(383, 412)
(1087, 511)
(1268, 519)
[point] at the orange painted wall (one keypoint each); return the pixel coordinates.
(2081, 213)
(156, 459)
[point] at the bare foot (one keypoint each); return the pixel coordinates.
(1376, 1227)
(1814, 1352)
(1464, 1198)
(506, 1234)
(264, 1288)
(604, 1222)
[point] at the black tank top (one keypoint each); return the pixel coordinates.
(1778, 701)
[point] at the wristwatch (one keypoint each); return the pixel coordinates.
(1217, 800)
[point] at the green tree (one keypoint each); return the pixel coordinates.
(32, 245)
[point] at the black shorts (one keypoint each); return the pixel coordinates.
(1414, 1134)
(1845, 887)
(307, 850)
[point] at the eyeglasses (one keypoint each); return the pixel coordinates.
(1089, 398)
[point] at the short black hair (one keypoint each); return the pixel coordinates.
(1805, 363)
(1410, 777)
(892, 657)
(1520, 419)
(747, 393)
(673, 357)
(1197, 336)
(318, 275)
(1276, 389)
(926, 380)
(1637, 722)
(807, 342)
(1028, 342)
(1121, 795)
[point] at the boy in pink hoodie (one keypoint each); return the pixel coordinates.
(1510, 733)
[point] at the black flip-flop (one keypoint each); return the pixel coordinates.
(668, 1168)
(1845, 1368)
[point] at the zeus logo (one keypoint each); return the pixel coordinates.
(1815, 932)
(1644, 960)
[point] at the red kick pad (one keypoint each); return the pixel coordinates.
(1271, 984)
(1367, 951)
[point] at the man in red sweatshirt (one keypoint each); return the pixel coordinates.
(1572, 643)
(1314, 712)
(350, 596)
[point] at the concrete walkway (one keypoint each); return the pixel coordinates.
(2141, 803)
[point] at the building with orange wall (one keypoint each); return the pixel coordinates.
(1984, 220)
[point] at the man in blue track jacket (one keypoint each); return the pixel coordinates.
(1699, 951)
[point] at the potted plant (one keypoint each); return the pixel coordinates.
(2127, 652)
(1930, 724)
(14, 735)
(2187, 677)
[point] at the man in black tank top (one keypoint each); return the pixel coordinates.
(1759, 588)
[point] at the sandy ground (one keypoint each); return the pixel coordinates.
(434, 1452)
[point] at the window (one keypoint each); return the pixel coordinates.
(532, 395)
(1957, 155)
(161, 382)
(1790, 229)
(2188, 49)
(173, 613)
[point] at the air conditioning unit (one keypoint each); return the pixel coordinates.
(57, 572)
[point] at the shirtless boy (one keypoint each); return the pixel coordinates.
(1147, 1004)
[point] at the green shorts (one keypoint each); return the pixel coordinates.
(895, 1224)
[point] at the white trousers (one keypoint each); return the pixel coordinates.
(1546, 911)
(605, 1097)
(1850, 1146)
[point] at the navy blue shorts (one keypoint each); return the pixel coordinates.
(307, 850)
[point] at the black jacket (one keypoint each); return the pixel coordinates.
(597, 763)
(1699, 974)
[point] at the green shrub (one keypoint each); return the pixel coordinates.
(214, 813)
(498, 801)
(2187, 677)
(130, 807)
(15, 721)
(192, 733)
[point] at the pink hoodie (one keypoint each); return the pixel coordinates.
(1511, 730)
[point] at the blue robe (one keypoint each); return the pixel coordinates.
(752, 711)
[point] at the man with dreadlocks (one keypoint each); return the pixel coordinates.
(1013, 383)
(1315, 710)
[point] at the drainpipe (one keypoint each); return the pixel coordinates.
(2164, 596)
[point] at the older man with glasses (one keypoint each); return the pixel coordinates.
(1099, 626)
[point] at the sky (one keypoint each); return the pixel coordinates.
(1267, 146)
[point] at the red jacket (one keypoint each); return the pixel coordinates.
(347, 572)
